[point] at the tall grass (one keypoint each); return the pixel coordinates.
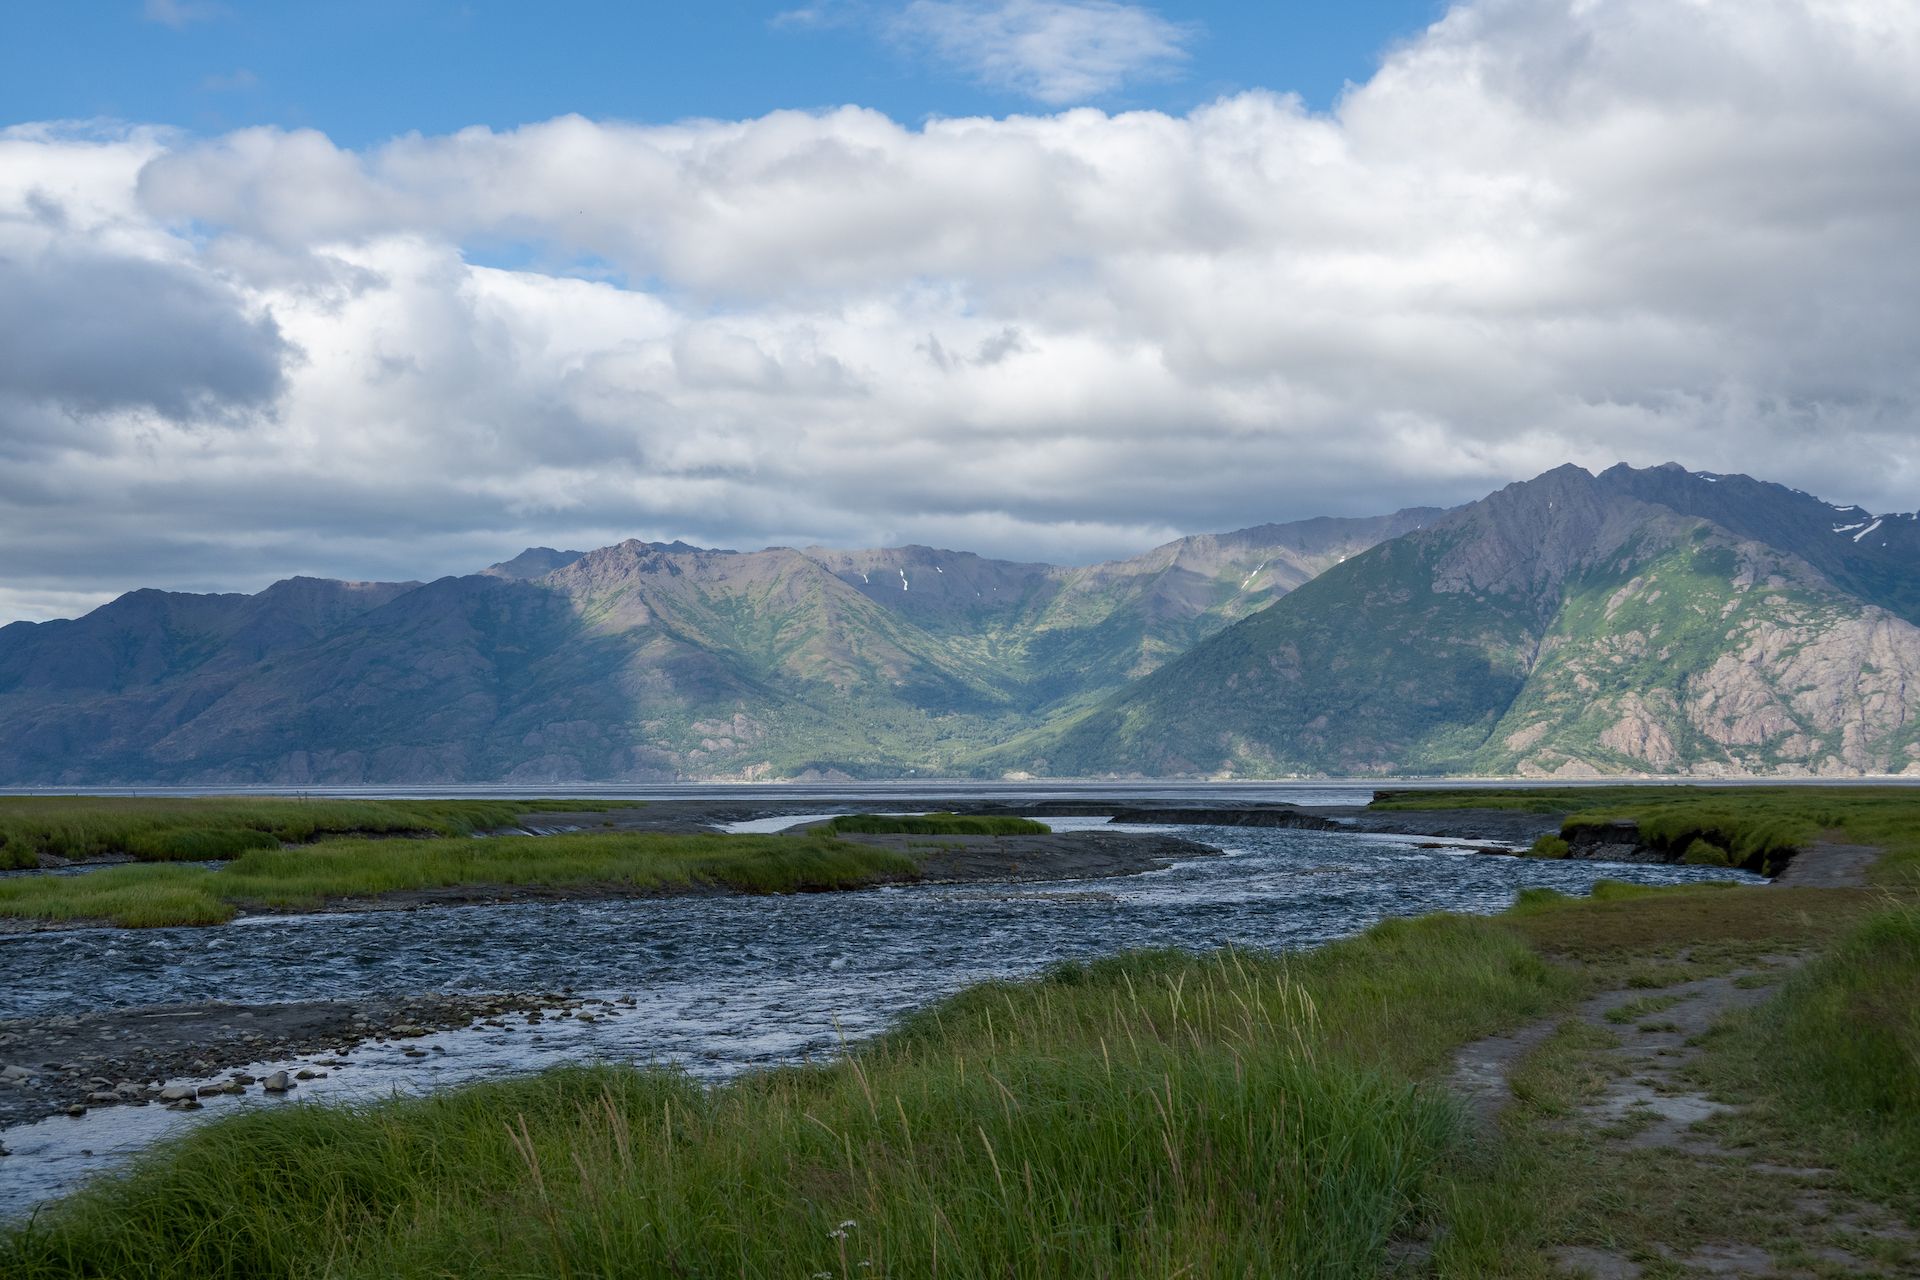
(1156, 1114)
(1837, 1054)
(933, 824)
(191, 829)
(307, 876)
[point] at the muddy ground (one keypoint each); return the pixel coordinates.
(123, 1057)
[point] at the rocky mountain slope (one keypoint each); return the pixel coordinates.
(633, 661)
(1638, 621)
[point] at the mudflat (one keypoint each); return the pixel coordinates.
(123, 1057)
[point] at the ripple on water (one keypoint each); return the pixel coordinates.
(722, 984)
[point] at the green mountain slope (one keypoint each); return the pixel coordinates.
(1637, 621)
(633, 661)
(1560, 626)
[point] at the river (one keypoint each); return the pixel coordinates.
(721, 984)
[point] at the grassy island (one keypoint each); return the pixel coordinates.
(193, 829)
(931, 824)
(305, 877)
(1158, 1114)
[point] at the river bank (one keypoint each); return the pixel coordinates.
(1315, 1086)
(73, 1063)
(718, 983)
(1395, 1006)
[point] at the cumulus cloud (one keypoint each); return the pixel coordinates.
(1544, 231)
(1055, 51)
(96, 332)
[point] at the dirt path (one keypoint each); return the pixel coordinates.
(1649, 1107)
(1828, 865)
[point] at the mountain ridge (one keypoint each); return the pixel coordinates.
(1562, 626)
(637, 660)
(1574, 624)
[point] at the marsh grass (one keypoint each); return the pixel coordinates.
(1644, 1007)
(933, 824)
(1834, 1057)
(195, 829)
(1153, 1114)
(1756, 827)
(308, 876)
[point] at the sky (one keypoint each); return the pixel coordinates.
(392, 290)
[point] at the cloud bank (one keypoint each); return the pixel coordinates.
(1545, 231)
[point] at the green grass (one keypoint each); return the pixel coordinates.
(1824, 1073)
(1644, 1007)
(933, 824)
(1154, 1114)
(192, 829)
(1548, 847)
(308, 876)
(1151, 1114)
(1834, 1057)
(1758, 827)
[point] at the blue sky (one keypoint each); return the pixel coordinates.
(861, 273)
(365, 70)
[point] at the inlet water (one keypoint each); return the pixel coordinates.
(722, 984)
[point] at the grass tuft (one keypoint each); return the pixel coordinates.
(933, 824)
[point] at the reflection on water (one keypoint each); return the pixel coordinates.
(723, 983)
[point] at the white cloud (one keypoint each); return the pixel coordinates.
(1055, 51)
(1542, 232)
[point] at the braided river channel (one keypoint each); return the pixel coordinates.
(718, 985)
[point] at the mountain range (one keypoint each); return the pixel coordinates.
(1637, 621)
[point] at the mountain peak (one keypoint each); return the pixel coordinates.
(534, 562)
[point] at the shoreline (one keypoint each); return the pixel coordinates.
(53, 1064)
(132, 1053)
(1079, 855)
(1445, 1035)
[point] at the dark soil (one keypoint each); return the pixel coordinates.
(48, 1064)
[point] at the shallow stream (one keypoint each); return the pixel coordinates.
(720, 984)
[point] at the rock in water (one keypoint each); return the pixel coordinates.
(178, 1093)
(278, 1082)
